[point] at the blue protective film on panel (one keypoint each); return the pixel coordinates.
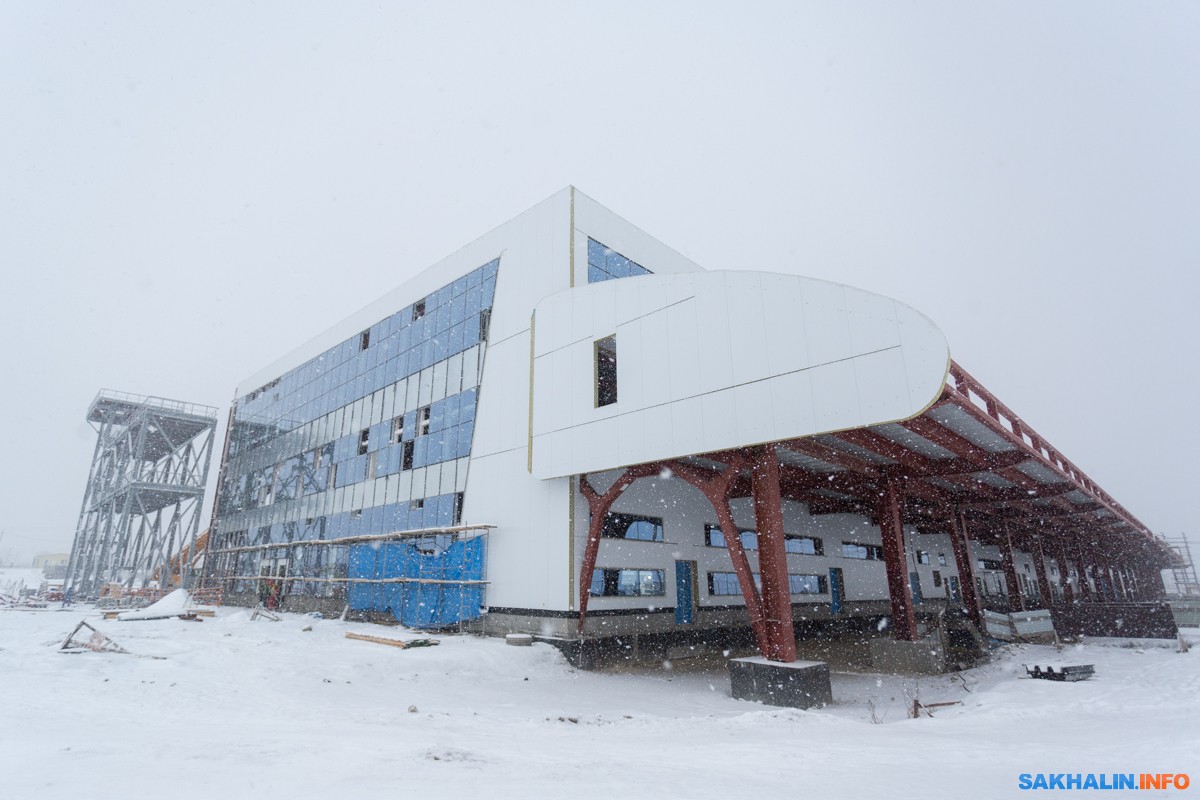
(419, 605)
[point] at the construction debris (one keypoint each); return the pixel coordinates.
(393, 642)
(261, 611)
(1078, 672)
(176, 604)
(927, 708)
(96, 641)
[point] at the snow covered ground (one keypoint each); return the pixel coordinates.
(13, 579)
(236, 708)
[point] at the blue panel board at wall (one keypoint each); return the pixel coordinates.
(684, 599)
(955, 590)
(363, 596)
(914, 585)
(835, 590)
(419, 605)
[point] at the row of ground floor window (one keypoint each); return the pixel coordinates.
(319, 569)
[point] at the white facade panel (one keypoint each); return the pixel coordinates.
(862, 367)
(684, 358)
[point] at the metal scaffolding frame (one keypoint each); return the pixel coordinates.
(144, 494)
(1183, 569)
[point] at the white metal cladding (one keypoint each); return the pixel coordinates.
(713, 360)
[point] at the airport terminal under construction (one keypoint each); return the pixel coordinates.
(568, 430)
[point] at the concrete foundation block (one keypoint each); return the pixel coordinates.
(800, 684)
(911, 658)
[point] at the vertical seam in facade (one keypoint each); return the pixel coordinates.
(529, 438)
(571, 240)
(571, 543)
(570, 481)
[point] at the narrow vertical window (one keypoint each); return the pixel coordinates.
(364, 441)
(406, 460)
(418, 310)
(364, 341)
(398, 429)
(423, 416)
(606, 371)
(485, 322)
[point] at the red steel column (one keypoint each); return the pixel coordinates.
(1109, 585)
(1081, 560)
(966, 570)
(891, 528)
(1135, 583)
(1064, 582)
(598, 506)
(1015, 600)
(1118, 582)
(1039, 567)
(772, 557)
(716, 489)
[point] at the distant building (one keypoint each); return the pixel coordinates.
(53, 565)
(569, 429)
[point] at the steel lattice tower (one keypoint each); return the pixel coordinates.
(144, 493)
(1183, 569)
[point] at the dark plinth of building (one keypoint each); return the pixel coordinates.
(798, 684)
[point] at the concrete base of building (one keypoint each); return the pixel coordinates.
(649, 648)
(1149, 620)
(924, 657)
(800, 684)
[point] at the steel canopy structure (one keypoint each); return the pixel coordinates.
(682, 453)
(967, 466)
(144, 493)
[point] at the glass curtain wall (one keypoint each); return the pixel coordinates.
(372, 436)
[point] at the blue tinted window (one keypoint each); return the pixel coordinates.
(627, 583)
(713, 537)
(631, 526)
(606, 264)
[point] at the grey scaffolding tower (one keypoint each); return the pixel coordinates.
(1183, 569)
(142, 505)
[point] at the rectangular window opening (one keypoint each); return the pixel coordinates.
(869, 552)
(398, 429)
(418, 310)
(364, 441)
(807, 584)
(485, 322)
(406, 459)
(803, 545)
(423, 421)
(632, 526)
(606, 371)
(364, 340)
(715, 537)
(608, 582)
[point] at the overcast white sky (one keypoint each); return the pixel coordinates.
(188, 191)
